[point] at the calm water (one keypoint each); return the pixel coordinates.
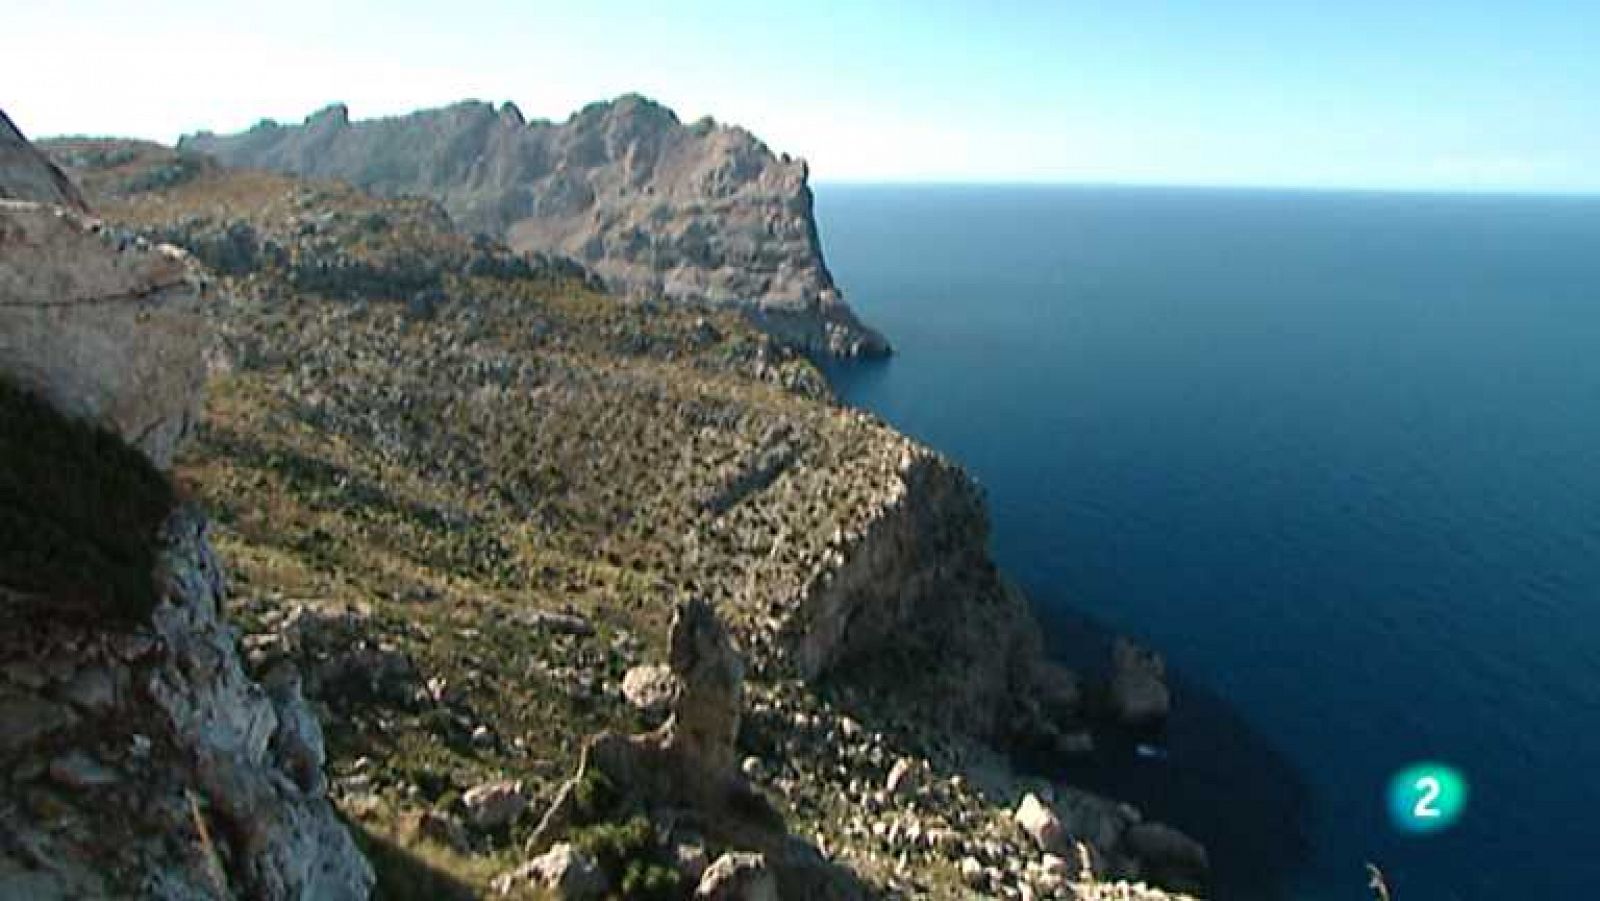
(1337, 455)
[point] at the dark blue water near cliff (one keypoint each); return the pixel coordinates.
(1337, 455)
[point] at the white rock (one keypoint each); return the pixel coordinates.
(1041, 824)
(738, 877)
(495, 804)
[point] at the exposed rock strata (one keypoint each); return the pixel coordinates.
(698, 213)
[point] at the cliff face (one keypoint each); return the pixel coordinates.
(143, 762)
(139, 759)
(701, 212)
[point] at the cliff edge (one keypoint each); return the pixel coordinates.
(700, 213)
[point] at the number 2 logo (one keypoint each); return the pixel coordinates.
(1430, 789)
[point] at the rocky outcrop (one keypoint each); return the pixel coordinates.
(687, 771)
(102, 325)
(141, 761)
(910, 602)
(703, 213)
(1138, 691)
(25, 173)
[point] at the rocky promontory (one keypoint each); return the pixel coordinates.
(699, 213)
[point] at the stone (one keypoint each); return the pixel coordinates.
(558, 623)
(738, 877)
(903, 778)
(972, 874)
(1041, 824)
(564, 871)
(77, 770)
(1139, 694)
(651, 689)
(493, 805)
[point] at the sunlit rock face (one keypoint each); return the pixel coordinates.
(700, 213)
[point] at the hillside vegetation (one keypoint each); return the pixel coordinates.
(463, 489)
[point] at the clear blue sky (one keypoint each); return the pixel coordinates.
(1340, 93)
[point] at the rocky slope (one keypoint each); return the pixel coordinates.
(701, 212)
(463, 493)
(140, 760)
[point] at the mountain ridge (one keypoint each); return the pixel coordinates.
(698, 213)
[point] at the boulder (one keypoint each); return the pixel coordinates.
(1041, 824)
(738, 877)
(1138, 691)
(493, 805)
(564, 872)
(651, 689)
(903, 778)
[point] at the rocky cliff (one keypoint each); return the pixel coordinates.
(140, 759)
(701, 212)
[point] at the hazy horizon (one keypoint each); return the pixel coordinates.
(1437, 97)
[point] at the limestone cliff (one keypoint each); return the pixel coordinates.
(139, 759)
(701, 212)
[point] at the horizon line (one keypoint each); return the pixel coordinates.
(1450, 191)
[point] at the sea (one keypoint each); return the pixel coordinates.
(1336, 455)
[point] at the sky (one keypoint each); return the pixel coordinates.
(1380, 94)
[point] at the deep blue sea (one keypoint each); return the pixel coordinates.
(1336, 455)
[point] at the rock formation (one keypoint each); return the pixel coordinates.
(103, 325)
(139, 759)
(25, 174)
(687, 771)
(701, 212)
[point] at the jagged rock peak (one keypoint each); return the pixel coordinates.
(703, 213)
(26, 174)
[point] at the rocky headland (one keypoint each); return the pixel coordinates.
(702, 213)
(591, 598)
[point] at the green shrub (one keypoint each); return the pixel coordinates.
(632, 859)
(80, 511)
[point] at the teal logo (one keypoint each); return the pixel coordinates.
(1427, 797)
